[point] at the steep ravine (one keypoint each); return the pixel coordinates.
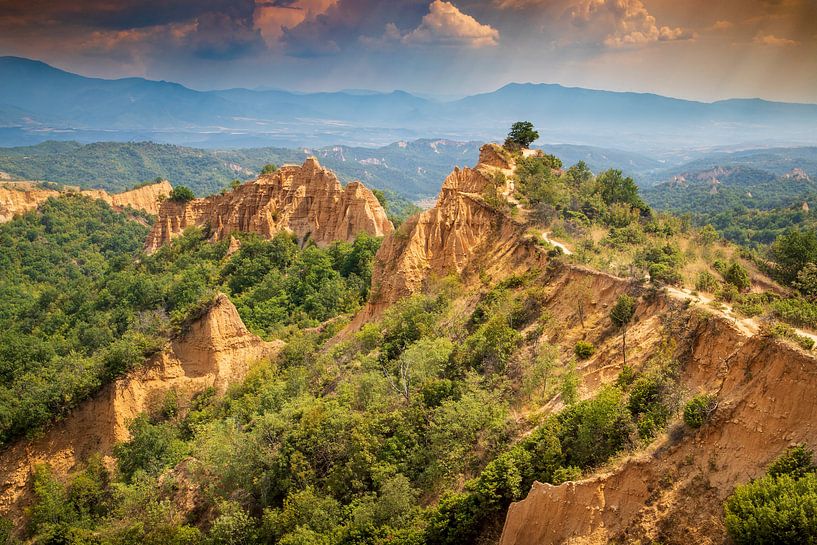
(462, 234)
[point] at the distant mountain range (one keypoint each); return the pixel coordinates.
(39, 102)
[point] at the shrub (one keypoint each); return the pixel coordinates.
(595, 429)
(698, 410)
(797, 311)
(181, 194)
(151, 448)
(738, 276)
(269, 168)
(662, 273)
(780, 508)
(796, 462)
(565, 474)
(584, 350)
(785, 331)
(706, 281)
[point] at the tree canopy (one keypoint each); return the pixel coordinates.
(521, 135)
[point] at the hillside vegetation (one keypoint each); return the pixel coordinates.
(420, 426)
(83, 305)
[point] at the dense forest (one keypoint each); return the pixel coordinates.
(82, 305)
(748, 206)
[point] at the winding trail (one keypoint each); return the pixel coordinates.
(748, 326)
(565, 249)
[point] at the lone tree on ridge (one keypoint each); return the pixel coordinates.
(522, 135)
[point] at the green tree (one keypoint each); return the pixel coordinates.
(521, 135)
(806, 282)
(737, 275)
(621, 315)
(381, 197)
(181, 194)
(615, 188)
(792, 251)
(151, 448)
(268, 169)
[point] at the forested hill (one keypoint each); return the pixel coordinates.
(747, 205)
(412, 169)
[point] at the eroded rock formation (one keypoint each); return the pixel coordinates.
(306, 200)
(464, 234)
(20, 197)
(214, 352)
(146, 198)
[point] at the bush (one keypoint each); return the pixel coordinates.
(269, 168)
(584, 350)
(796, 462)
(796, 311)
(595, 429)
(661, 273)
(738, 276)
(698, 410)
(706, 281)
(785, 331)
(151, 448)
(780, 508)
(181, 194)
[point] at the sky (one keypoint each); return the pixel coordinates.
(697, 49)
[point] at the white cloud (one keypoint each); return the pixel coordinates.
(446, 25)
(774, 41)
(632, 24)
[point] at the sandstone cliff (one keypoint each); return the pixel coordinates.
(674, 492)
(20, 197)
(215, 351)
(146, 198)
(16, 199)
(464, 234)
(308, 201)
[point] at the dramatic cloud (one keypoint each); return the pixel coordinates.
(774, 41)
(120, 14)
(449, 47)
(341, 26)
(447, 25)
(631, 23)
(273, 18)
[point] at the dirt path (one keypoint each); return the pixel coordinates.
(749, 326)
(556, 243)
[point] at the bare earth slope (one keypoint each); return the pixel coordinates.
(20, 197)
(215, 351)
(674, 492)
(306, 200)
